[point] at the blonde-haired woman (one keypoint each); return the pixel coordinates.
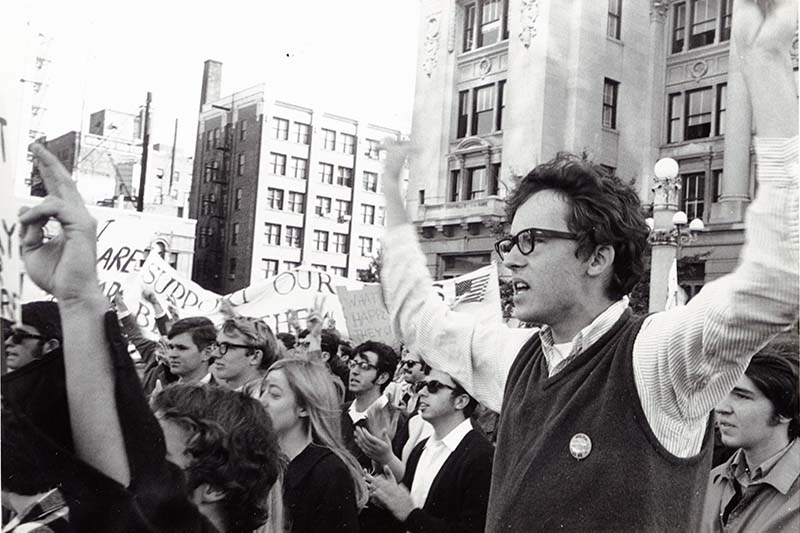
(324, 486)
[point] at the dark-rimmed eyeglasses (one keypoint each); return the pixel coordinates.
(433, 386)
(18, 336)
(409, 363)
(361, 365)
(223, 347)
(525, 240)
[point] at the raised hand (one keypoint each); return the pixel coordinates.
(66, 265)
(396, 154)
(391, 495)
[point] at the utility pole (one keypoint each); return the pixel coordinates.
(172, 160)
(145, 145)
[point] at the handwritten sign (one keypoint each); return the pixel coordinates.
(11, 69)
(366, 315)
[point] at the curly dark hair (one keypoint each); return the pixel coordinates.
(603, 211)
(387, 358)
(233, 448)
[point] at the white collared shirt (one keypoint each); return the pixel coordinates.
(433, 458)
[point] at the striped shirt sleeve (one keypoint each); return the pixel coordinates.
(478, 355)
(687, 359)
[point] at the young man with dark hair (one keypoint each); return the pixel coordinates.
(190, 346)
(596, 391)
(446, 481)
(38, 336)
(758, 488)
(223, 440)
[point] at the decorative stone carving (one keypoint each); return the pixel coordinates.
(431, 45)
(698, 70)
(485, 66)
(658, 10)
(529, 14)
(794, 47)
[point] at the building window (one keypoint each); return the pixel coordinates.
(720, 126)
(422, 197)
(463, 114)
(300, 168)
(273, 234)
(370, 181)
(209, 137)
(240, 165)
(270, 267)
(469, 27)
(482, 110)
(237, 200)
(294, 236)
(280, 129)
(235, 235)
(328, 139)
(275, 198)
(342, 208)
(501, 103)
(277, 164)
(490, 18)
(348, 144)
(716, 184)
(725, 15)
(345, 177)
(372, 149)
(678, 27)
(323, 206)
(698, 114)
(610, 94)
(321, 241)
(477, 181)
(703, 23)
(365, 245)
(674, 120)
(243, 129)
(232, 267)
(296, 202)
(340, 243)
(291, 264)
(326, 173)
(368, 214)
(692, 194)
(381, 215)
(216, 137)
(455, 186)
(302, 133)
(339, 271)
(614, 18)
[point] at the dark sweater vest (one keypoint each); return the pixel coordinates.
(628, 481)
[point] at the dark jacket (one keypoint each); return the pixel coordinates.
(153, 369)
(319, 494)
(459, 493)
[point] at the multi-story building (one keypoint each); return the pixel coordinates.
(505, 84)
(278, 185)
(106, 165)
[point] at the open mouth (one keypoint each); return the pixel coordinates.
(520, 286)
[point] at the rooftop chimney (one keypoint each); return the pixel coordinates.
(212, 82)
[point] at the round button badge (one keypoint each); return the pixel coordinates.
(580, 446)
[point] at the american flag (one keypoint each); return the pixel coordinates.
(472, 290)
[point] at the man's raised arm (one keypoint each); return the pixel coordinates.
(477, 355)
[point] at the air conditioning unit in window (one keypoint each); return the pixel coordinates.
(343, 218)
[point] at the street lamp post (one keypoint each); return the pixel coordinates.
(669, 229)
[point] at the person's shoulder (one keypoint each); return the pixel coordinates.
(477, 445)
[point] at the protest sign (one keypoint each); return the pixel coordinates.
(366, 315)
(10, 98)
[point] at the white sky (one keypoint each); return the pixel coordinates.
(350, 57)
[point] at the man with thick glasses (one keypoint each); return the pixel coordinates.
(245, 348)
(38, 335)
(597, 397)
(457, 457)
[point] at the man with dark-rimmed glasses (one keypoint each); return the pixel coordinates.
(245, 348)
(598, 398)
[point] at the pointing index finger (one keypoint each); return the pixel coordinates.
(56, 179)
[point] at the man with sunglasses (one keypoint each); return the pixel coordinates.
(596, 395)
(446, 481)
(38, 336)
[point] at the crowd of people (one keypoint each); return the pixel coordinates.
(596, 419)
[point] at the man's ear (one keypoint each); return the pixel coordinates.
(383, 378)
(325, 356)
(601, 260)
(205, 493)
(205, 353)
(257, 355)
(461, 401)
(50, 345)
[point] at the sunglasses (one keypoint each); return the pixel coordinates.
(525, 240)
(361, 365)
(18, 336)
(409, 363)
(223, 347)
(433, 386)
